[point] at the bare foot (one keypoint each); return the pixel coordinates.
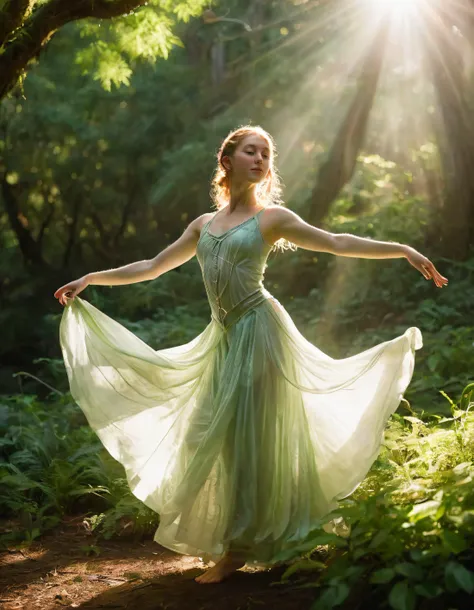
(223, 568)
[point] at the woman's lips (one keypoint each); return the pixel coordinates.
(256, 169)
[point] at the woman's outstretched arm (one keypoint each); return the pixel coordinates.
(174, 255)
(283, 223)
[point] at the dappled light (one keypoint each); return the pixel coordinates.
(176, 384)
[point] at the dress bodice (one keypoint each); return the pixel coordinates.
(233, 266)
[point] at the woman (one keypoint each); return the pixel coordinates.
(244, 438)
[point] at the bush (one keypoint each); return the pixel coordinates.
(410, 523)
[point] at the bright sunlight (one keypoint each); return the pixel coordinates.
(399, 8)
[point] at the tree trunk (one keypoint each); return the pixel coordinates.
(342, 157)
(455, 229)
(72, 237)
(29, 248)
(217, 62)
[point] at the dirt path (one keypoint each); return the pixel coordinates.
(54, 571)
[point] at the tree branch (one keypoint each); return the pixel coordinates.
(44, 225)
(35, 33)
(13, 14)
(104, 237)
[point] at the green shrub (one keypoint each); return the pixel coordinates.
(409, 527)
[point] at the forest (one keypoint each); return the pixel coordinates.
(111, 114)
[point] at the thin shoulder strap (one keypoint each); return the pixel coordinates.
(257, 215)
(206, 225)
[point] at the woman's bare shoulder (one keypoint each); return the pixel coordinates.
(196, 225)
(207, 216)
(275, 216)
(279, 212)
(198, 222)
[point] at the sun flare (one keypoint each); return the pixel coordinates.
(398, 8)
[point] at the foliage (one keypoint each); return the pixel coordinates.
(52, 465)
(404, 535)
(409, 527)
(117, 35)
(107, 155)
(125, 515)
(100, 179)
(148, 33)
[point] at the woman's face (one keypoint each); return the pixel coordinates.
(251, 159)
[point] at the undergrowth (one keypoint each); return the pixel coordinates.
(403, 538)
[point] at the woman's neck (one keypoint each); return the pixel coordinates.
(242, 197)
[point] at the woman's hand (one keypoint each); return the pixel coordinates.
(425, 267)
(71, 290)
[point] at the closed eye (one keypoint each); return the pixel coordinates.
(251, 152)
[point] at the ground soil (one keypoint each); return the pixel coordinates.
(54, 571)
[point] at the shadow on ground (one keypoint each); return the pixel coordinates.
(58, 570)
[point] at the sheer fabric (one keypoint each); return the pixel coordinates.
(245, 437)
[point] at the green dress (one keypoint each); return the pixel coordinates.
(245, 437)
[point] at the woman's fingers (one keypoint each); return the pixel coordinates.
(426, 272)
(69, 291)
(59, 294)
(442, 281)
(63, 294)
(69, 294)
(430, 272)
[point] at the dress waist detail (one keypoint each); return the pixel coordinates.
(227, 318)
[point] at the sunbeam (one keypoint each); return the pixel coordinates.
(397, 8)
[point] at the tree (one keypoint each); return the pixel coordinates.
(342, 157)
(444, 57)
(27, 26)
(448, 30)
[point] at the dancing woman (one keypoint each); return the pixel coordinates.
(244, 438)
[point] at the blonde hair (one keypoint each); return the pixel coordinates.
(267, 192)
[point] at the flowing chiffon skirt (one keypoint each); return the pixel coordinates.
(241, 439)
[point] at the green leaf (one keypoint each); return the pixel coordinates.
(305, 565)
(428, 589)
(323, 539)
(410, 570)
(433, 361)
(423, 510)
(453, 541)
(358, 553)
(309, 545)
(416, 555)
(402, 596)
(463, 468)
(331, 597)
(466, 396)
(353, 572)
(456, 573)
(379, 538)
(382, 576)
